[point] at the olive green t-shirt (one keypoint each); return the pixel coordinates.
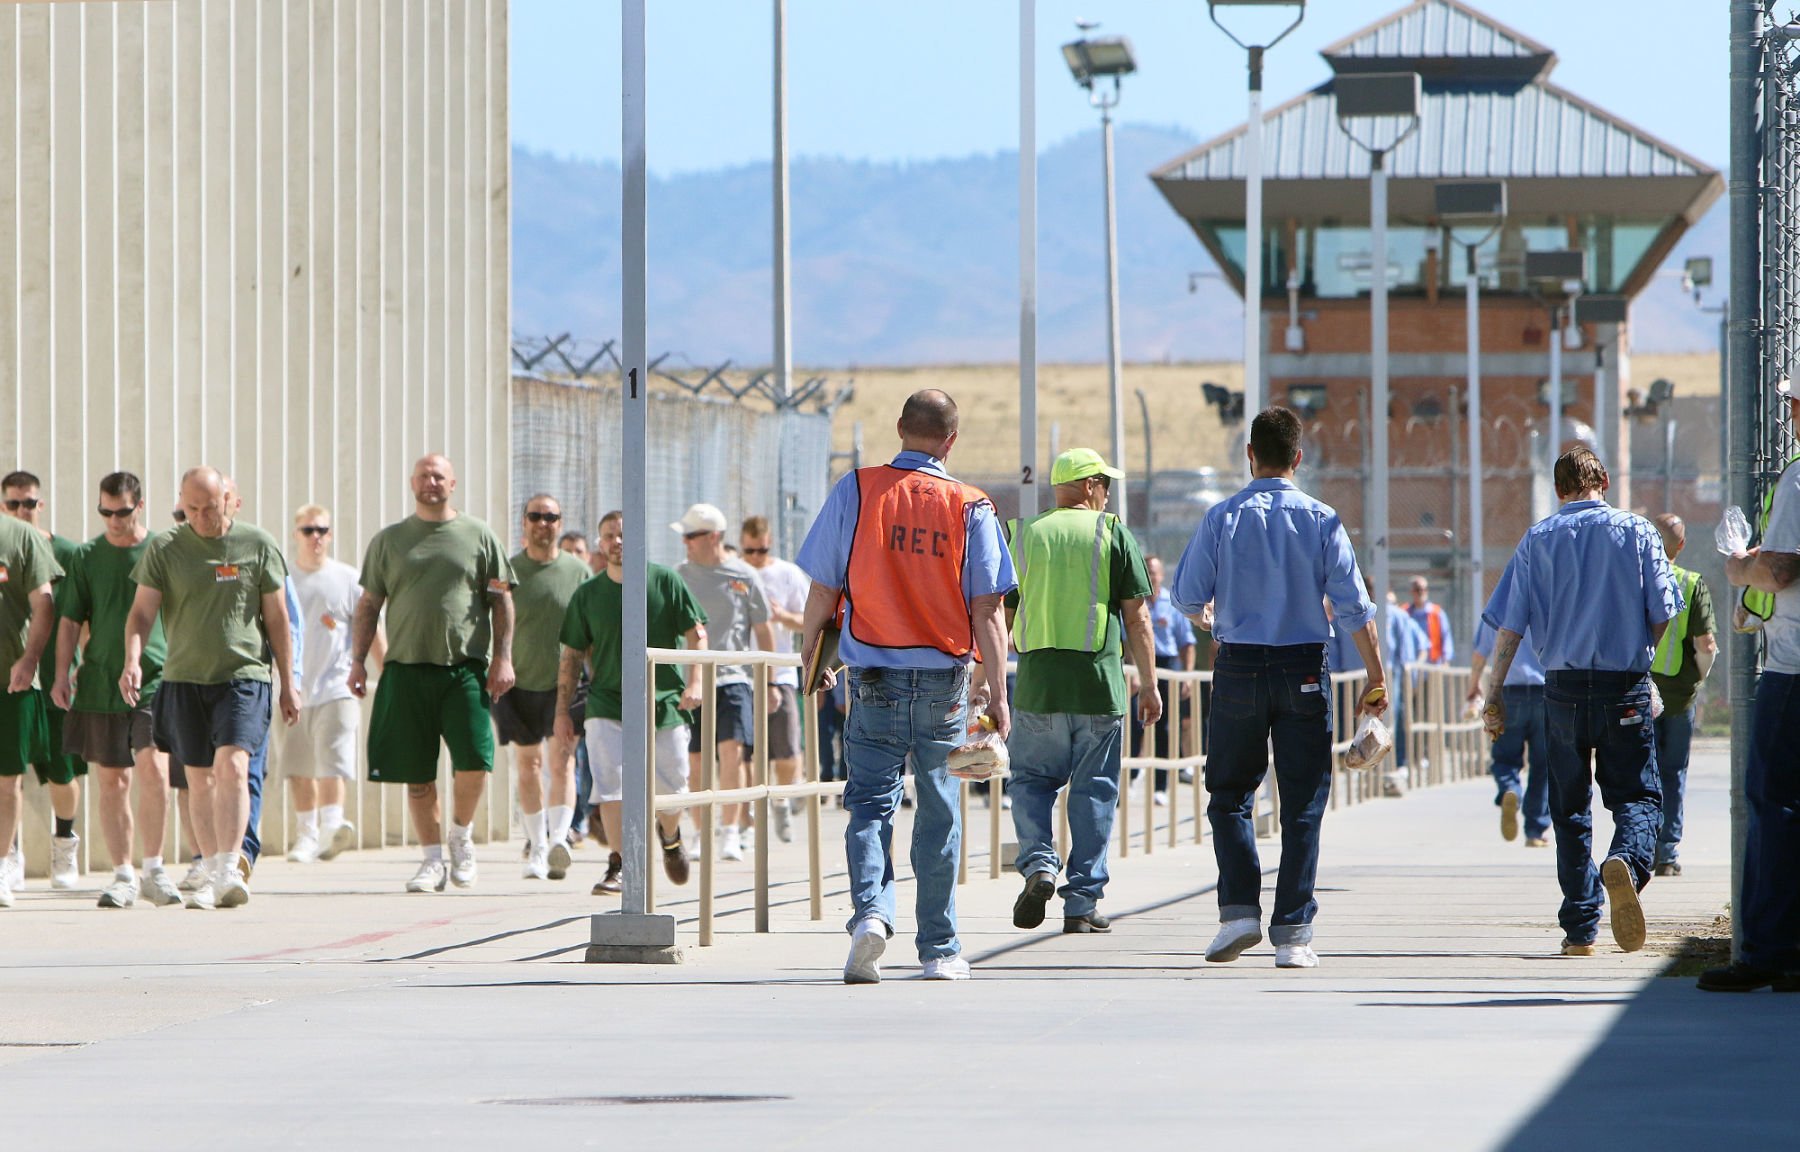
(540, 598)
(212, 590)
(97, 590)
(65, 551)
(438, 578)
(592, 625)
(26, 564)
(1056, 680)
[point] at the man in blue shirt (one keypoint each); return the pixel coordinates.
(1524, 696)
(1176, 649)
(1268, 558)
(1591, 585)
(914, 566)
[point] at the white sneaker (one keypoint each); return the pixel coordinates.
(5, 890)
(537, 863)
(119, 894)
(731, 845)
(196, 877)
(202, 897)
(339, 840)
(1187, 776)
(12, 869)
(1005, 802)
(868, 940)
(159, 889)
(431, 877)
(1234, 939)
(462, 861)
(231, 891)
(782, 820)
(947, 968)
(1295, 956)
(304, 851)
(1162, 799)
(64, 872)
(558, 860)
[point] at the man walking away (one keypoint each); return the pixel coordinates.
(1082, 584)
(785, 588)
(1267, 559)
(1684, 658)
(1592, 586)
(26, 614)
(1524, 693)
(1177, 649)
(917, 563)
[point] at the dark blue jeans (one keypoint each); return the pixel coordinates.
(259, 768)
(1262, 693)
(1599, 731)
(1524, 733)
(1771, 895)
(1674, 742)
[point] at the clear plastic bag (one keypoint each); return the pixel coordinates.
(1372, 743)
(983, 754)
(1732, 536)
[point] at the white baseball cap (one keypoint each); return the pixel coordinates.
(701, 518)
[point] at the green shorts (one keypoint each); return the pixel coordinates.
(416, 706)
(56, 766)
(24, 730)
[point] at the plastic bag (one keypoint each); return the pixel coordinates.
(1372, 743)
(1656, 702)
(1732, 536)
(983, 754)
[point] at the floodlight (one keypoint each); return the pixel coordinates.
(1378, 94)
(1470, 201)
(1555, 269)
(1307, 399)
(1099, 57)
(1661, 391)
(1601, 310)
(1699, 271)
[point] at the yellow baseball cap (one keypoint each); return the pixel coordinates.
(1079, 464)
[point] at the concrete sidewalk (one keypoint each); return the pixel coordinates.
(337, 1009)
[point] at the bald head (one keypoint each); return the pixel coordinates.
(928, 422)
(203, 500)
(433, 483)
(1673, 531)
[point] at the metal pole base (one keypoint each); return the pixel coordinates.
(623, 938)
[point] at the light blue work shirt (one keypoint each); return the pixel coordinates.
(296, 634)
(1587, 584)
(1406, 644)
(1267, 559)
(825, 557)
(1173, 630)
(1525, 672)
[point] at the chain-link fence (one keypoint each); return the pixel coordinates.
(1777, 334)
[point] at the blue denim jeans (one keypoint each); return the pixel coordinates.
(259, 767)
(1524, 732)
(1674, 742)
(1771, 896)
(1083, 753)
(1262, 693)
(1599, 730)
(897, 714)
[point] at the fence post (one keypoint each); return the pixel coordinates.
(709, 811)
(759, 770)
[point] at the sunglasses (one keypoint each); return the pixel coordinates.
(756, 551)
(28, 505)
(180, 516)
(543, 517)
(694, 535)
(314, 530)
(118, 513)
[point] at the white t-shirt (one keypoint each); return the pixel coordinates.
(1782, 630)
(327, 604)
(786, 587)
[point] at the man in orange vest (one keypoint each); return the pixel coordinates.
(1434, 620)
(913, 565)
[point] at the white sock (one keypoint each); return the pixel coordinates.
(308, 822)
(125, 872)
(226, 864)
(331, 816)
(463, 832)
(561, 817)
(534, 828)
(153, 863)
(434, 853)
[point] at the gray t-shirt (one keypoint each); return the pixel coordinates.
(327, 604)
(786, 586)
(1781, 633)
(731, 595)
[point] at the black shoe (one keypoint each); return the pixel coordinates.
(1741, 977)
(1092, 922)
(1028, 909)
(1668, 868)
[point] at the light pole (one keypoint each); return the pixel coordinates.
(784, 332)
(1148, 535)
(1474, 203)
(1090, 59)
(1557, 277)
(1028, 342)
(1388, 104)
(1253, 209)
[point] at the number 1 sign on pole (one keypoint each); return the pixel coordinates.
(634, 462)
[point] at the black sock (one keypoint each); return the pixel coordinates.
(65, 828)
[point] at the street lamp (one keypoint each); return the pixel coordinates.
(1106, 58)
(1253, 206)
(1556, 277)
(1386, 105)
(1474, 204)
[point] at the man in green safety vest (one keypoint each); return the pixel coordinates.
(1684, 656)
(1082, 587)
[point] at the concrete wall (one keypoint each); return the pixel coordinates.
(269, 235)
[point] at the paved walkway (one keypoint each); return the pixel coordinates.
(336, 1009)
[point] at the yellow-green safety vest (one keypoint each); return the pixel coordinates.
(1758, 603)
(1667, 661)
(1063, 558)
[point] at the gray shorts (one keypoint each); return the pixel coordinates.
(784, 724)
(109, 739)
(322, 746)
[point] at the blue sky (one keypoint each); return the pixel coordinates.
(899, 80)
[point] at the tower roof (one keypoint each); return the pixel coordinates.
(1441, 37)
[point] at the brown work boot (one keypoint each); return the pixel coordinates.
(675, 861)
(610, 885)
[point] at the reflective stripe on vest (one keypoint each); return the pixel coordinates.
(1064, 563)
(1755, 601)
(1669, 649)
(905, 579)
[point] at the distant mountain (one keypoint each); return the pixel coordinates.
(904, 264)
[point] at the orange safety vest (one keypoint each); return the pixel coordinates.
(905, 578)
(1434, 632)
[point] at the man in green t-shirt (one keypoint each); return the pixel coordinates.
(592, 632)
(1684, 657)
(526, 717)
(445, 583)
(1082, 583)
(220, 586)
(27, 570)
(60, 772)
(96, 592)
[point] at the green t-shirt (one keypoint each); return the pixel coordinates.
(591, 625)
(26, 564)
(97, 591)
(65, 552)
(437, 578)
(540, 598)
(1055, 680)
(212, 590)
(1678, 691)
